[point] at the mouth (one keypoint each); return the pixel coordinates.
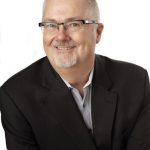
(64, 48)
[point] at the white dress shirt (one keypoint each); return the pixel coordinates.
(84, 104)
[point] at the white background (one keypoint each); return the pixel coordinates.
(126, 35)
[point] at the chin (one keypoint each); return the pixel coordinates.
(65, 64)
(65, 61)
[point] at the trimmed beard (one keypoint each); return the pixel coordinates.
(65, 60)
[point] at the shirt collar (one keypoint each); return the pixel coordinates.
(87, 83)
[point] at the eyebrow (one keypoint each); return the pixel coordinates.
(68, 19)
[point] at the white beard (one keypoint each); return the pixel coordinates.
(65, 60)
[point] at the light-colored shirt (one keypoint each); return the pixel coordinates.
(84, 104)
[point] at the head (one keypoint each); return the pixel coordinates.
(71, 49)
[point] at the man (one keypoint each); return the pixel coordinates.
(73, 99)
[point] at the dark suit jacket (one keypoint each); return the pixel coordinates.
(39, 112)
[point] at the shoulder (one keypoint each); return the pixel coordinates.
(27, 76)
(120, 70)
(118, 64)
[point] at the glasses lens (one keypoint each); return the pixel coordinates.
(51, 27)
(73, 26)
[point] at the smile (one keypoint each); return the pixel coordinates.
(64, 47)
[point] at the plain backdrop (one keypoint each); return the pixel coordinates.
(126, 35)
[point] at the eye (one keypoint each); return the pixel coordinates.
(50, 26)
(75, 24)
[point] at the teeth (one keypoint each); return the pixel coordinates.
(63, 48)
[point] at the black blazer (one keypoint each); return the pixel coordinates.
(39, 112)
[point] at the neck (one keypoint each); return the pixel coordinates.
(76, 76)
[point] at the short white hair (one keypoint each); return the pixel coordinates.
(93, 5)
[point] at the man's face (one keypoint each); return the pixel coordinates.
(64, 49)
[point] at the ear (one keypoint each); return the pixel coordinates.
(99, 32)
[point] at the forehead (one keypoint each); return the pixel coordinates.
(64, 9)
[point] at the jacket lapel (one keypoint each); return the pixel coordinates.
(61, 105)
(103, 106)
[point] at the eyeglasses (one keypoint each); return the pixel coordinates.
(69, 26)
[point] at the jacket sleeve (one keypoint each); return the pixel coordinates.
(18, 132)
(140, 136)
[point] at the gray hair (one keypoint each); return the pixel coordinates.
(93, 5)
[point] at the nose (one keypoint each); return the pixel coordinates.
(62, 34)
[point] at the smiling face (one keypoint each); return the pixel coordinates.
(68, 50)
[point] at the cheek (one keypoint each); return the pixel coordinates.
(88, 41)
(86, 50)
(46, 39)
(89, 46)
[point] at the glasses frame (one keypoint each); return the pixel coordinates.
(42, 24)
